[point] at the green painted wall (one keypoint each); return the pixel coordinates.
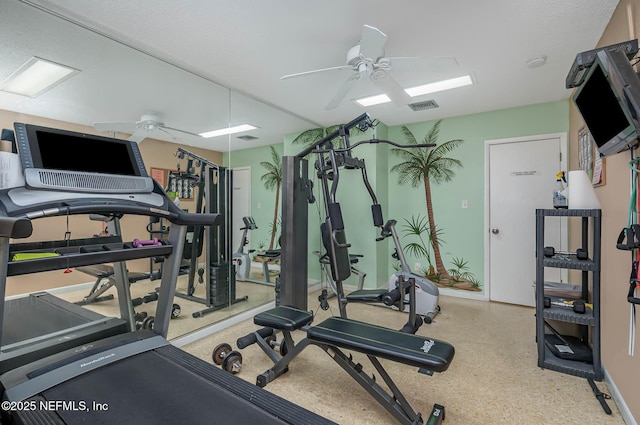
(463, 229)
(262, 200)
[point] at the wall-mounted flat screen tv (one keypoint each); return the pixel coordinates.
(609, 100)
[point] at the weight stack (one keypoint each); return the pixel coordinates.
(223, 284)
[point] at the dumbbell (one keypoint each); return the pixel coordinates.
(152, 296)
(137, 243)
(580, 253)
(231, 361)
(143, 321)
(175, 311)
(578, 306)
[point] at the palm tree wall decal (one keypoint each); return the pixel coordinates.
(426, 166)
(313, 135)
(272, 179)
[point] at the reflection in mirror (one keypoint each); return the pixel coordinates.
(255, 160)
(119, 87)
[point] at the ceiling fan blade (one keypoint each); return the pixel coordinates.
(410, 64)
(139, 135)
(164, 127)
(396, 93)
(166, 130)
(372, 42)
(301, 74)
(342, 92)
(117, 127)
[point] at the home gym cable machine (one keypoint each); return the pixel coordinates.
(213, 183)
(297, 189)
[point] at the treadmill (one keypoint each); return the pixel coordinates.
(134, 377)
(40, 324)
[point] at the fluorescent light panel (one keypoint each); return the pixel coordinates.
(419, 90)
(439, 86)
(228, 130)
(373, 100)
(35, 77)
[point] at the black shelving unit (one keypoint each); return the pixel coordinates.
(555, 350)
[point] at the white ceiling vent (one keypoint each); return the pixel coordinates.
(421, 106)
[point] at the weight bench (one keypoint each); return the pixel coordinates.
(337, 333)
(105, 279)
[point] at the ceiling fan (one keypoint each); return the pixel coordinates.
(142, 129)
(367, 60)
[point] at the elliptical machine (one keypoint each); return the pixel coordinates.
(240, 258)
(424, 292)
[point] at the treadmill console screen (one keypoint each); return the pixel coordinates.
(66, 160)
(60, 151)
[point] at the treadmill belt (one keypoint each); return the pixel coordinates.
(42, 314)
(149, 388)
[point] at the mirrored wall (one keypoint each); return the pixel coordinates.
(226, 270)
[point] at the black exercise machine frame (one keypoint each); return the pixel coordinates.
(331, 336)
(22, 384)
(292, 289)
(218, 244)
(93, 371)
(298, 193)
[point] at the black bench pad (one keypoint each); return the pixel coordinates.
(366, 295)
(105, 271)
(97, 270)
(284, 318)
(382, 342)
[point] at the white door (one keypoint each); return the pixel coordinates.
(241, 201)
(522, 176)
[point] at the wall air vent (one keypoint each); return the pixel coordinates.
(246, 137)
(421, 106)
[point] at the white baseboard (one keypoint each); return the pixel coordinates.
(627, 417)
(314, 285)
(459, 293)
(217, 327)
(58, 290)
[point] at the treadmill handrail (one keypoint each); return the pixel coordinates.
(15, 227)
(176, 216)
(106, 205)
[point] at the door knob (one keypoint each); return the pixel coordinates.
(495, 231)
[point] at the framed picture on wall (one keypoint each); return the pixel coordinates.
(160, 175)
(589, 159)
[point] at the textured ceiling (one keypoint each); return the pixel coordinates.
(248, 45)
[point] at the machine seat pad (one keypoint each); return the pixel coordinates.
(376, 341)
(97, 270)
(105, 271)
(284, 318)
(366, 295)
